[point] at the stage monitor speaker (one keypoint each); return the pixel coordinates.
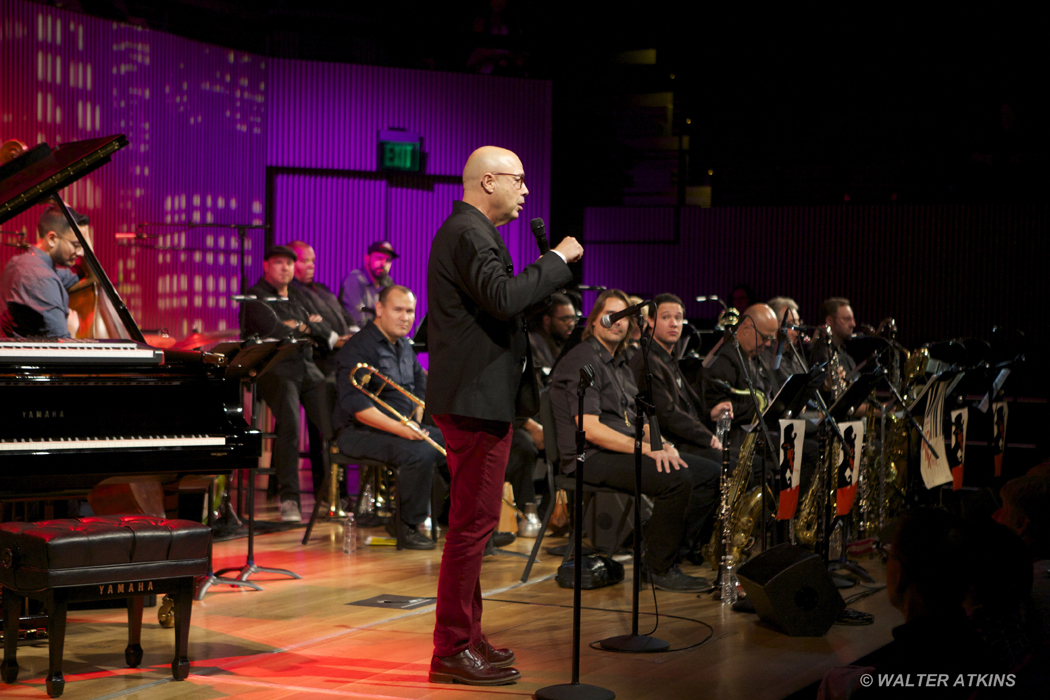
(792, 590)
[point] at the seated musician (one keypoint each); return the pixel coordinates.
(678, 406)
(547, 339)
(360, 289)
(318, 300)
(724, 384)
(35, 285)
(368, 430)
(293, 381)
(791, 361)
(683, 486)
(836, 314)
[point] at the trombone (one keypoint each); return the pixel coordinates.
(375, 397)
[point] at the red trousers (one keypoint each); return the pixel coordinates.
(478, 451)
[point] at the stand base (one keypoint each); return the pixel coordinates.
(250, 568)
(216, 580)
(493, 550)
(574, 691)
(634, 644)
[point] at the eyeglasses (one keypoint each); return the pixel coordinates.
(519, 180)
(566, 319)
(766, 338)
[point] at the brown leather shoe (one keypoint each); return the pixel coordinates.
(499, 658)
(471, 669)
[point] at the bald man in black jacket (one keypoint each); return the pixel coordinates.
(480, 380)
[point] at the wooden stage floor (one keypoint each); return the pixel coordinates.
(301, 639)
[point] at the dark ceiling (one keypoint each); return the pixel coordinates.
(786, 106)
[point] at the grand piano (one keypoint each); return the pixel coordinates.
(75, 412)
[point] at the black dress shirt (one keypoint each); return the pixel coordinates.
(395, 361)
(610, 397)
(678, 406)
(726, 368)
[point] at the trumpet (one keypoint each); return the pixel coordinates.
(387, 381)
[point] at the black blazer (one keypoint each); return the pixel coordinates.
(479, 345)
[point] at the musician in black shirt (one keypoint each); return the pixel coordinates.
(295, 379)
(683, 486)
(678, 406)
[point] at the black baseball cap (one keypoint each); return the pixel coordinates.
(282, 250)
(383, 247)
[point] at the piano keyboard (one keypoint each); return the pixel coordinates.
(114, 443)
(74, 351)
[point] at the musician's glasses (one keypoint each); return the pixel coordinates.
(519, 180)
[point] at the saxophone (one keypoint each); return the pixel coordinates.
(742, 508)
(807, 529)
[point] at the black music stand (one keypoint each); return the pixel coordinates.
(576, 690)
(845, 407)
(241, 366)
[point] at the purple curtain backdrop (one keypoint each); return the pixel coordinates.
(941, 271)
(204, 125)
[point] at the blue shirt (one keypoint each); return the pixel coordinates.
(395, 361)
(36, 295)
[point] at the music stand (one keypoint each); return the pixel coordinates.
(844, 408)
(241, 366)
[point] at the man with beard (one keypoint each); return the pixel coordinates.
(35, 285)
(547, 340)
(360, 289)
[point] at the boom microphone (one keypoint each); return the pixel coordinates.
(540, 232)
(608, 319)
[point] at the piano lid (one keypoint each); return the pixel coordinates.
(41, 172)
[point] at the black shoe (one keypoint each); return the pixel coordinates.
(502, 539)
(413, 538)
(676, 580)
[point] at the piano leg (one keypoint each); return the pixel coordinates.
(12, 610)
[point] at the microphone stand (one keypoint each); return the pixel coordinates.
(765, 432)
(635, 643)
(576, 690)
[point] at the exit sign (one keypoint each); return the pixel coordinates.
(399, 151)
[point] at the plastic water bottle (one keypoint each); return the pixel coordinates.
(349, 535)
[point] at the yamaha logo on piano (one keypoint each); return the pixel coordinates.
(44, 414)
(129, 588)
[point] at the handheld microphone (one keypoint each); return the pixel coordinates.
(608, 319)
(540, 232)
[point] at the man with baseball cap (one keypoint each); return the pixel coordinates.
(295, 379)
(361, 288)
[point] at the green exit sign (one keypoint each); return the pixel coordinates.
(398, 151)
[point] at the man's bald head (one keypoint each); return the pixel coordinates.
(493, 181)
(757, 329)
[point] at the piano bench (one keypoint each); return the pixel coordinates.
(96, 558)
